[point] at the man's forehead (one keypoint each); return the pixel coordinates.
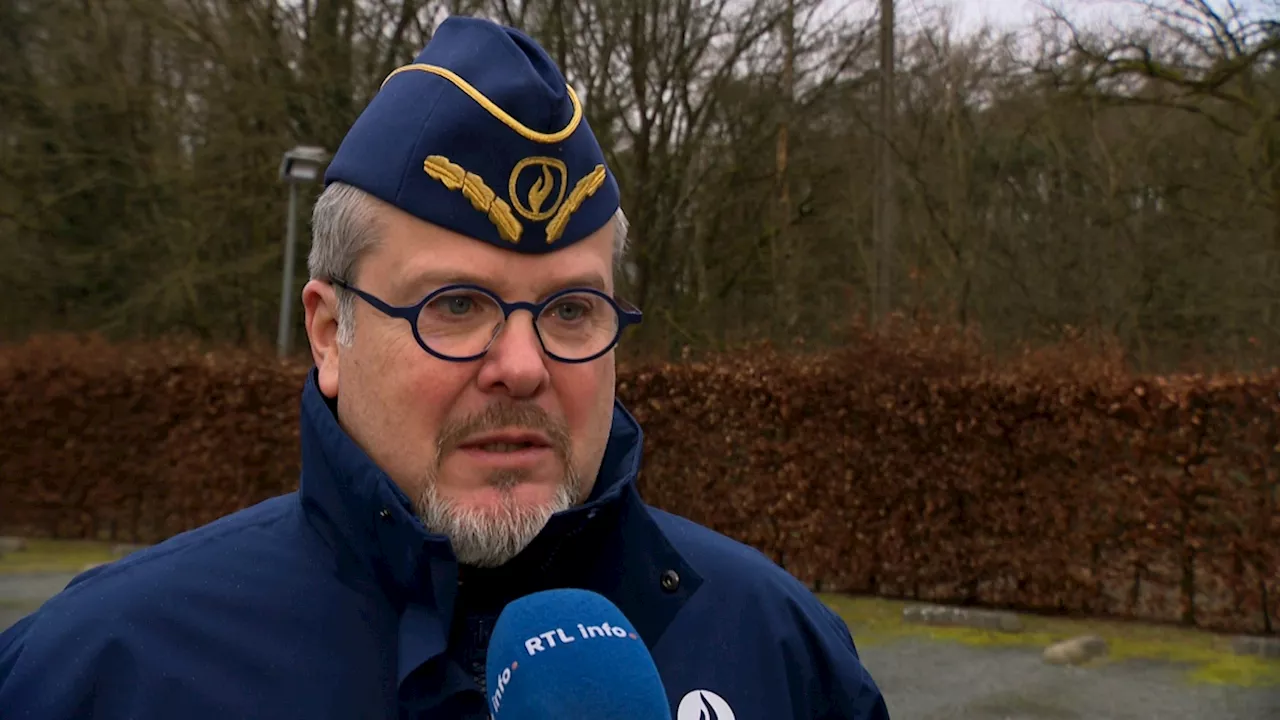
(413, 257)
(482, 135)
(425, 281)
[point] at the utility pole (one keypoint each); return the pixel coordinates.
(783, 251)
(884, 206)
(284, 333)
(303, 164)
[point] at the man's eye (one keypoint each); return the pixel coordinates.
(458, 305)
(571, 311)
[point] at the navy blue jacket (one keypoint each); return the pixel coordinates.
(334, 602)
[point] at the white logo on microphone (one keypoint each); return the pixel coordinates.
(703, 705)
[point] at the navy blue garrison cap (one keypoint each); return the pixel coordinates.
(482, 135)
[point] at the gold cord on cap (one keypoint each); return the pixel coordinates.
(484, 102)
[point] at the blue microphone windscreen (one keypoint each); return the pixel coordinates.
(571, 654)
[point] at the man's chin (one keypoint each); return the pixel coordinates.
(489, 526)
(511, 497)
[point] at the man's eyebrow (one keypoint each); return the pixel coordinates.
(588, 280)
(431, 280)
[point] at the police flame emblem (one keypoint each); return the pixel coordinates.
(549, 176)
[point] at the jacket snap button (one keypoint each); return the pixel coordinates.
(670, 581)
(385, 514)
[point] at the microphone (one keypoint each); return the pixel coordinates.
(561, 654)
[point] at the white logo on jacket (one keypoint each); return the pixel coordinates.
(703, 705)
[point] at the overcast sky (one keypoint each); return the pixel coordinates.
(968, 14)
(1000, 12)
(1012, 13)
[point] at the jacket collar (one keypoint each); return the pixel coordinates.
(608, 544)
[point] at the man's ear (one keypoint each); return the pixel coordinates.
(321, 305)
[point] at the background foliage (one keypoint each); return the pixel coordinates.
(1118, 179)
(906, 464)
(1117, 186)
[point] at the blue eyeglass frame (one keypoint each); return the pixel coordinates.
(409, 313)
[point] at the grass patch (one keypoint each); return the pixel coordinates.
(1207, 656)
(55, 556)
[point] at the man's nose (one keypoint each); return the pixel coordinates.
(515, 363)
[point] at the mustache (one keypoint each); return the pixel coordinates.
(523, 416)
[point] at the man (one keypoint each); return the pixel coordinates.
(461, 447)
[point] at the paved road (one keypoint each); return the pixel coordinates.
(32, 587)
(929, 680)
(20, 594)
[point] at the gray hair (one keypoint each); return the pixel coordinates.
(346, 223)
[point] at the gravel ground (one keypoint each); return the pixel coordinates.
(935, 680)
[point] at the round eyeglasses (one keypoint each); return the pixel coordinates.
(459, 322)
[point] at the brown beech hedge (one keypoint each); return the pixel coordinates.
(906, 464)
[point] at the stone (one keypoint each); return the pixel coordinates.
(1076, 651)
(941, 615)
(1267, 647)
(12, 544)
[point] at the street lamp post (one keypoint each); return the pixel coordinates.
(299, 165)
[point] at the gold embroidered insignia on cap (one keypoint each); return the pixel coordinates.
(542, 187)
(585, 188)
(484, 199)
(473, 188)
